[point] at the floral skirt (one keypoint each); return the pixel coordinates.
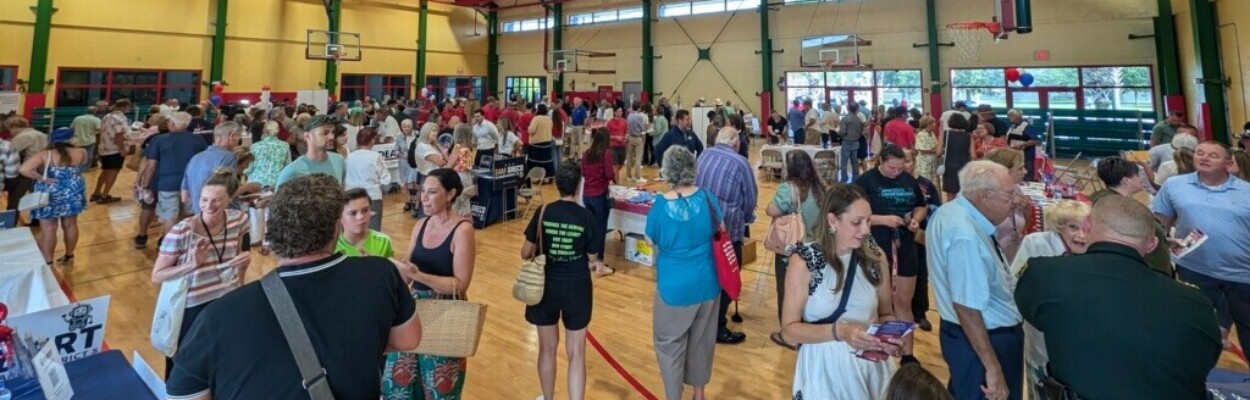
(418, 376)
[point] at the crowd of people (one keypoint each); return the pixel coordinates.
(1022, 307)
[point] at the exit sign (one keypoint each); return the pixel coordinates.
(1041, 55)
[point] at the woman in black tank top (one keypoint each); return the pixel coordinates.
(440, 265)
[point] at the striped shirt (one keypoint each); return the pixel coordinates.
(1221, 213)
(11, 160)
(729, 177)
(210, 279)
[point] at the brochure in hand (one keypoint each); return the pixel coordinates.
(1190, 243)
(887, 330)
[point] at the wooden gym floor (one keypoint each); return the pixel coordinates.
(107, 264)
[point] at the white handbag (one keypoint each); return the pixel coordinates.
(36, 199)
(941, 168)
(171, 304)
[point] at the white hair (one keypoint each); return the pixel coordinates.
(1184, 140)
(180, 120)
(980, 175)
(727, 135)
(1014, 112)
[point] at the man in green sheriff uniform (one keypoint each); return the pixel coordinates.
(1123, 179)
(1114, 328)
(357, 240)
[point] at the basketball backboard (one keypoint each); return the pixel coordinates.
(842, 50)
(330, 45)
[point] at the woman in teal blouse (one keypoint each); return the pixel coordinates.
(680, 228)
(801, 193)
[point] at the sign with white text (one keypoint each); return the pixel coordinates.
(77, 330)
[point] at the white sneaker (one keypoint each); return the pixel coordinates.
(540, 397)
(642, 180)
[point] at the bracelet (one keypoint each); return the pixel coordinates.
(835, 332)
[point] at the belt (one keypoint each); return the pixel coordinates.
(996, 331)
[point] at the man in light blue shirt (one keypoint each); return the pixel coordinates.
(981, 337)
(205, 163)
(320, 158)
(1212, 201)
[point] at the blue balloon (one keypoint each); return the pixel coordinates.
(1026, 79)
(215, 99)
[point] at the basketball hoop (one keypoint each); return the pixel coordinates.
(827, 65)
(968, 38)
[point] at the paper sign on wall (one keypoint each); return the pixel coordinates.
(9, 101)
(76, 330)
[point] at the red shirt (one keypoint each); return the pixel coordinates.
(616, 131)
(900, 133)
(557, 122)
(511, 115)
(523, 123)
(598, 175)
(490, 112)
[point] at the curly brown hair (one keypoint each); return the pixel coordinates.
(304, 216)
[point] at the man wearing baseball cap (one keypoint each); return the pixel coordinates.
(320, 158)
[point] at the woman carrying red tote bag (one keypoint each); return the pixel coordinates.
(726, 259)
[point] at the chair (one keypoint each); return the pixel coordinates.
(535, 179)
(773, 162)
(826, 162)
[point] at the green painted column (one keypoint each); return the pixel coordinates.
(935, 64)
(39, 47)
(1170, 86)
(422, 22)
(648, 53)
(557, 43)
(1207, 47)
(335, 13)
(217, 65)
(492, 52)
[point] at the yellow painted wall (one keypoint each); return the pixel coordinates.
(265, 39)
(1077, 32)
(1234, 20)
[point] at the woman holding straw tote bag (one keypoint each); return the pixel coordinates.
(563, 234)
(440, 265)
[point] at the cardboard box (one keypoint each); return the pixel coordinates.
(637, 250)
(749, 252)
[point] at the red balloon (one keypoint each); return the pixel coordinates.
(1013, 74)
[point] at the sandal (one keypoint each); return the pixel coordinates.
(105, 199)
(781, 341)
(66, 259)
(599, 271)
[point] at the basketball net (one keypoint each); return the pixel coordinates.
(827, 65)
(968, 37)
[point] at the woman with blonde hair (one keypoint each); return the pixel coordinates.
(928, 146)
(840, 287)
(1064, 235)
(1241, 164)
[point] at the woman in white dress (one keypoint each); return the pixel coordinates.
(1065, 234)
(408, 177)
(845, 295)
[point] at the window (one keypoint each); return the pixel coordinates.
(866, 87)
(359, 86)
(8, 77)
(677, 9)
(596, 17)
(530, 88)
(454, 86)
(527, 25)
(82, 87)
(1085, 88)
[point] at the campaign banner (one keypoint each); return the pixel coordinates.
(77, 329)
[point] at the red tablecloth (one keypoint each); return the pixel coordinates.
(640, 209)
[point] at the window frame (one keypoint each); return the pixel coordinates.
(109, 86)
(438, 85)
(687, 8)
(9, 86)
(388, 86)
(526, 85)
(520, 25)
(873, 85)
(1080, 90)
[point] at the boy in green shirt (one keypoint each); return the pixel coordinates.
(357, 239)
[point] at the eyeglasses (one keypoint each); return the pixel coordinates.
(1005, 193)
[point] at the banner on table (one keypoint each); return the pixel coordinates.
(77, 329)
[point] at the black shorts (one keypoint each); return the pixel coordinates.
(908, 257)
(567, 300)
(112, 161)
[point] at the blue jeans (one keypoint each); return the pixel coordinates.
(1231, 300)
(850, 148)
(799, 138)
(967, 372)
(598, 206)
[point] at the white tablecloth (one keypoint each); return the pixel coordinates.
(627, 222)
(26, 284)
(811, 150)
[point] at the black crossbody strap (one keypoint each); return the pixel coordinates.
(314, 376)
(846, 293)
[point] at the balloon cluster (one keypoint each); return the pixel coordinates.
(216, 97)
(1014, 75)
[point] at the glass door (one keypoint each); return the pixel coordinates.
(840, 97)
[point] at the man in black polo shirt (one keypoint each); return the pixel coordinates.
(1115, 328)
(354, 308)
(898, 206)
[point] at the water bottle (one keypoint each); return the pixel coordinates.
(5, 394)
